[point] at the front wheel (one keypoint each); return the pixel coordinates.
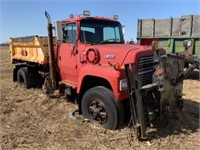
(99, 106)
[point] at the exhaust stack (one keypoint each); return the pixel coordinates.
(51, 52)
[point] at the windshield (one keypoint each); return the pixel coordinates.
(100, 32)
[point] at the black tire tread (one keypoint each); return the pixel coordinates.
(117, 113)
(23, 72)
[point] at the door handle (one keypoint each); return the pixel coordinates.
(59, 57)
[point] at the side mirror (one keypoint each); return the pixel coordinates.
(123, 30)
(187, 43)
(59, 31)
(154, 45)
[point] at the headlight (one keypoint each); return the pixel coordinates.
(123, 85)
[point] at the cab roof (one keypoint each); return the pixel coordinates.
(79, 18)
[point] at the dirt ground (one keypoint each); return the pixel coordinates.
(31, 120)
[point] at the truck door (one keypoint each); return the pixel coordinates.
(67, 58)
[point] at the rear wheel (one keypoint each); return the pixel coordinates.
(99, 106)
(22, 77)
(35, 79)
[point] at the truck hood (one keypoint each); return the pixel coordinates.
(120, 53)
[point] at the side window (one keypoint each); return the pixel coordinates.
(69, 33)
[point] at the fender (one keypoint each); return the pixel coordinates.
(105, 72)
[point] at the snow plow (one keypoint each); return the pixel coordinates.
(164, 94)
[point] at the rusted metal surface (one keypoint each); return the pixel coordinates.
(166, 73)
(161, 97)
(136, 102)
(52, 65)
(186, 54)
(186, 25)
(159, 72)
(171, 33)
(98, 111)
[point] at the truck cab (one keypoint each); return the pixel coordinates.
(93, 47)
(79, 39)
(90, 56)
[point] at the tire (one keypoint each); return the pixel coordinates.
(22, 77)
(99, 106)
(35, 80)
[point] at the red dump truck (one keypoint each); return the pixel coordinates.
(110, 80)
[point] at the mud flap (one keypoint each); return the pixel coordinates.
(47, 88)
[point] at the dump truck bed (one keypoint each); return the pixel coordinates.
(171, 32)
(32, 49)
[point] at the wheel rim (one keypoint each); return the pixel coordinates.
(98, 111)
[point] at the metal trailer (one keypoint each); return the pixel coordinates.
(171, 33)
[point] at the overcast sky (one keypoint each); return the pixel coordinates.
(26, 17)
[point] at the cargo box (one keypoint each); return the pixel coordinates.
(33, 49)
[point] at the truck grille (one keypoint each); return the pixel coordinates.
(145, 70)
